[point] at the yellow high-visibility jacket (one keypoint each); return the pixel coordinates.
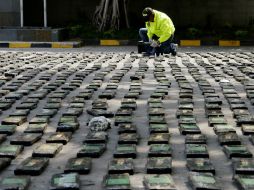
(162, 27)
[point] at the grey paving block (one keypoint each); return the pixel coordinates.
(125, 151)
(159, 138)
(160, 150)
(160, 182)
(121, 166)
(203, 165)
(48, 150)
(244, 182)
(195, 139)
(117, 181)
(36, 128)
(196, 151)
(26, 139)
(203, 181)
(159, 165)
(14, 120)
(68, 181)
(92, 150)
(223, 128)
(237, 151)
(15, 182)
(243, 166)
(78, 165)
(32, 166)
(229, 139)
(59, 137)
(10, 151)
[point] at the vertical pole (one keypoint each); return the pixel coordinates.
(21, 13)
(45, 13)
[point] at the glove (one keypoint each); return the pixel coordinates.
(155, 44)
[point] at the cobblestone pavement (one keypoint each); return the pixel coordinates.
(180, 122)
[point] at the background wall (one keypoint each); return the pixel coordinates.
(9, 13)
(185, 13)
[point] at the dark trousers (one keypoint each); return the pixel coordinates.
(165, 47)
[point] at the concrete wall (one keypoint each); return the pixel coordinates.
(212, 13)
(9, 13)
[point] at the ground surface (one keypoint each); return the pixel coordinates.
(78, 60)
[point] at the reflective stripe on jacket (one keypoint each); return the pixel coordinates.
(162, 27)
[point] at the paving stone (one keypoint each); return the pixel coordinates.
(52, 106)
(59, 137)
(159, 182)
(159, 138)
(203, 181)
(156, 112)
(10, 151)
(121, 166)
(124, 112)
(5, 105)
(67, 127)
(73, 112)
(184, 113)
(78, 165)
(237, 151)
(36, 128)
(54, 100)
(155, 105)
(96, 137)
(15, 182)
(123, 120)
(243, 166)
(128, 138)
(157, 120)
(240, 112)
(158, 128)
(159, 165)
(195, 139)
(160, 150)
(125, 151)
(216, 120)
(26, 139)
(189, 129)
(196, 151)
(29, 106)
(68, 119)
(241, 120)
(91, 150)
(68, 181)
(223, 128)
(48, 150)
(4, 162)
(229, 139)
(212, 107)
(117, 181)
(127, 128)
(39, 120)
(14, 120)
(32, 166)
(21, 112)
(214, 113)
(7, 129)
(244, 182)
(47, 112)
(14, 96)
(200, 165)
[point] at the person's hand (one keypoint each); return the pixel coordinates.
(155, 44)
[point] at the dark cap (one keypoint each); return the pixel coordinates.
(147, 12)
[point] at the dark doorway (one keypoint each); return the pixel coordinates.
(33, 13)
